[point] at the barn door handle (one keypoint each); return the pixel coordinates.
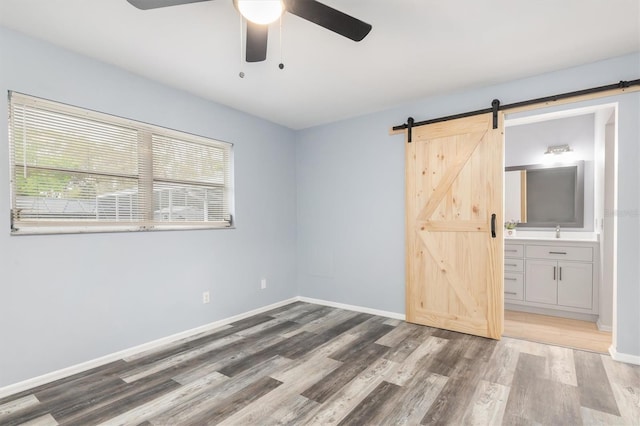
(493, 225)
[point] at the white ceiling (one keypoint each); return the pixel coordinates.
(417, 48)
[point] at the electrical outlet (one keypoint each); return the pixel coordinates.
(205, 297)
(263, 283)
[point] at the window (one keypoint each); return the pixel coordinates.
(74, 170)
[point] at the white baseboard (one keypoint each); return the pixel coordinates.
(628, 358)
(78, 368)
(603, 327)
(356, 308)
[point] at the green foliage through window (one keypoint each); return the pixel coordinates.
(78, 170)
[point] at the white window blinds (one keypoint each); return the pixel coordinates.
(74, 170)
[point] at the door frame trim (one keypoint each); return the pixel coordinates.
(575, 100)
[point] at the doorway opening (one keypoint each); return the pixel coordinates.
(560, 279)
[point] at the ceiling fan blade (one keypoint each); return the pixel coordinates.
(155, 4)
(256, 42)
(329, 18)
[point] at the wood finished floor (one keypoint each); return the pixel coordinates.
(556, 331)
(308, 364)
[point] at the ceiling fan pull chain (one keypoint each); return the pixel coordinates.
(281, 64)
(241, 74)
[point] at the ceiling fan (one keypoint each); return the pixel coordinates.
(260, 13)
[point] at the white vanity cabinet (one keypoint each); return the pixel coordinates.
(553, 277)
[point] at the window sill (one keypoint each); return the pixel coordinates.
(61, 230)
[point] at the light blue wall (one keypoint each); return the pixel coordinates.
(66, 299)
(319, 212)
(350, 178)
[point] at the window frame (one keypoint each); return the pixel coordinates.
(144, 176)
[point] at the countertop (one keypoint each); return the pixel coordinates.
(567, 236)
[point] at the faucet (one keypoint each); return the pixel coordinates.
(558, 231)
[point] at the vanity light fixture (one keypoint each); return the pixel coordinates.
(558, 149)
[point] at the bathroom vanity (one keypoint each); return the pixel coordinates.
(552, 276)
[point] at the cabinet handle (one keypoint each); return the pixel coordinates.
(510, 279)
(554, 273)
(560, 273)
(510, 292)
(511, 264)
(511, 250)
(557, 252)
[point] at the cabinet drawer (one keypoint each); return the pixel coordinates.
(584, 254)
(513, 286)
(513, 265)
(513, 250)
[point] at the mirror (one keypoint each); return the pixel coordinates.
(543, 196)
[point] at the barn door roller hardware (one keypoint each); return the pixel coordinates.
(495, 105)
(409, 127)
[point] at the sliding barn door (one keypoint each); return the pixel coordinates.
(454, 173)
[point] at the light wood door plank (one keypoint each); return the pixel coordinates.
(449, 178)
(454, 265)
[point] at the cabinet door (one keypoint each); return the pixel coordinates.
(575, 285)
(541, 281)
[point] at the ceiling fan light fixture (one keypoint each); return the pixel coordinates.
(260, 12)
